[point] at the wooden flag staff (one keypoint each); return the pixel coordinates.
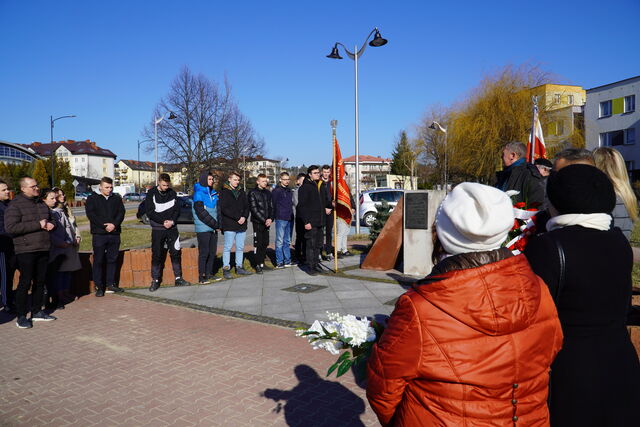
(334, 125)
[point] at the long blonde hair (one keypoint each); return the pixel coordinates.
(610, 161)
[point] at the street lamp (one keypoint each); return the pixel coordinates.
(244, 165)
(438, 127)
(155, 137)
(53, 152)
(335, 54)
(140, 143)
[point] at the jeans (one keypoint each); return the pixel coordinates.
(343, 232)
(231, 237)
(283, 241)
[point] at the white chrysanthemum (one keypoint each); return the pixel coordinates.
(349, 326)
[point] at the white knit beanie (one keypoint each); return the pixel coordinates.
(474, 218)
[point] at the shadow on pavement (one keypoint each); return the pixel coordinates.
(315, 401)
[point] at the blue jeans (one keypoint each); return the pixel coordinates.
(231, 237)
(283, 241)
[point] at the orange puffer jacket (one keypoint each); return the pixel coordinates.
(469, 347)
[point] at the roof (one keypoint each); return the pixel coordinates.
(141, 166)
(366, 159)
(75, 147)
(261, 159)
(614, 83)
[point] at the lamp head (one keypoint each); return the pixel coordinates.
(377, 40)
(172, 116)
(334, 53)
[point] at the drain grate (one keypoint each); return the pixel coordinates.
(391, 301)
(304, 288)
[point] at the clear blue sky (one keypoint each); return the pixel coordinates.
(110, 62)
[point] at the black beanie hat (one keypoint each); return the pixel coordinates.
(581, 189)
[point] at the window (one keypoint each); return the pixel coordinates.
(559, 127)
(630, 164)
(629, 103)
(605, 108)
(570, 99)
(630, 136)
(556, 98)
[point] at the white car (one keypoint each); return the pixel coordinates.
(182, 194)
(369, 200)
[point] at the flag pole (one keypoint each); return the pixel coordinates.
(532, 136)
(334, 124)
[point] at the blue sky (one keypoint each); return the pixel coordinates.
(110, 62)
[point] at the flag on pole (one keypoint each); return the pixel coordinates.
(343, 202)
(537, 149)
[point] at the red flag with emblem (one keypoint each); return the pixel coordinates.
(343, 202)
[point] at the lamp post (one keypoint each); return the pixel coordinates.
(335, 54)
(53, 152)
(155, 137)
(438, 127)
(140, 143)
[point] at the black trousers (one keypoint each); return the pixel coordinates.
(161, 241)
(299, 247)
(260, 242)
(33, 270)
(7, 270)
(106, 248)
(313, 243)
(207, 248)
(328, 233)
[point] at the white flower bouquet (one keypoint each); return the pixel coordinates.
(346, 332)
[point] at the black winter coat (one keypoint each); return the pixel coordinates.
(595, 377)
(525, 178)
(161, 207)
(232, 208)
(22, 220)
(6, 242)
(312, 202)
(260, 205)
(102, 211)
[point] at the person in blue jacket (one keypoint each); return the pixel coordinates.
(205, 219)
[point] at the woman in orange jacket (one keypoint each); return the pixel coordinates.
(472, 343)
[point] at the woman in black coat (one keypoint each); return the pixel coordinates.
(595, 380)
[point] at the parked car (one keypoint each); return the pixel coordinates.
(186, 215)
(134, 197)
(83, 196)
(181, 194)
(369, 200)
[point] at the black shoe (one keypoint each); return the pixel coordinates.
(211, 278)
(203, 280)
(181, 282)
(155, 284)
(318, 269)
(347, 253)
(325, 258)
(242, 272)
(100, 291)
(23, 323)
(340, 255)
(113, 289)
(266, 268)
(291, 264)
(41, 316)
(226, 273)
(280, 266)
(258, 269)
(311, 271)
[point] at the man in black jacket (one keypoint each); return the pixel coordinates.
(261, 207)
(7, 255)
(311, 211)
(521, 176)
(105, 211)
(325, 189)
(28, 220)
(163, 209)
(234, 211)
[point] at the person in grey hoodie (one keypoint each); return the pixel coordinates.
(205, 220)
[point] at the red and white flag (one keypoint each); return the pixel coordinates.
(538, 149)
(343, 202)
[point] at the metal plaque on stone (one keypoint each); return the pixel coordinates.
(416, 211)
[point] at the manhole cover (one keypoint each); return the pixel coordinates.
(391, 302)
(304, 288)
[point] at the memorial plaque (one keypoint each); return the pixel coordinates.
(416, 206)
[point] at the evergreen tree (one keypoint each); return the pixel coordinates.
(40, 173)
(382, 214)
(402, 156)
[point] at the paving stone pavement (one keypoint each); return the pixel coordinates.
(120, 360)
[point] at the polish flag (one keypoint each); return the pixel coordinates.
(538, 149)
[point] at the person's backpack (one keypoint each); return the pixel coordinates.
(141, 210)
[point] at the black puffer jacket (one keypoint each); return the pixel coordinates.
(233, 205)
(525, 178)
(312, 202)
(260, 205)
(101, 210)
(22, 220)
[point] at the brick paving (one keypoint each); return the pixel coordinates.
(125, 361)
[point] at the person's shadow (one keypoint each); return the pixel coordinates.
(315, 402)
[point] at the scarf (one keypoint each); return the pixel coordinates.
(597, 221)
(235, 191)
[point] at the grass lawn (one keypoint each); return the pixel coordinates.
(130, 238)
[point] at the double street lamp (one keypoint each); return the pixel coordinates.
(156, 122)
(335, 54)
(53, 152)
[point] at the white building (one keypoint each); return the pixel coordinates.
(373, 172)
(611, 119)
(259, 164)
(85, 158)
